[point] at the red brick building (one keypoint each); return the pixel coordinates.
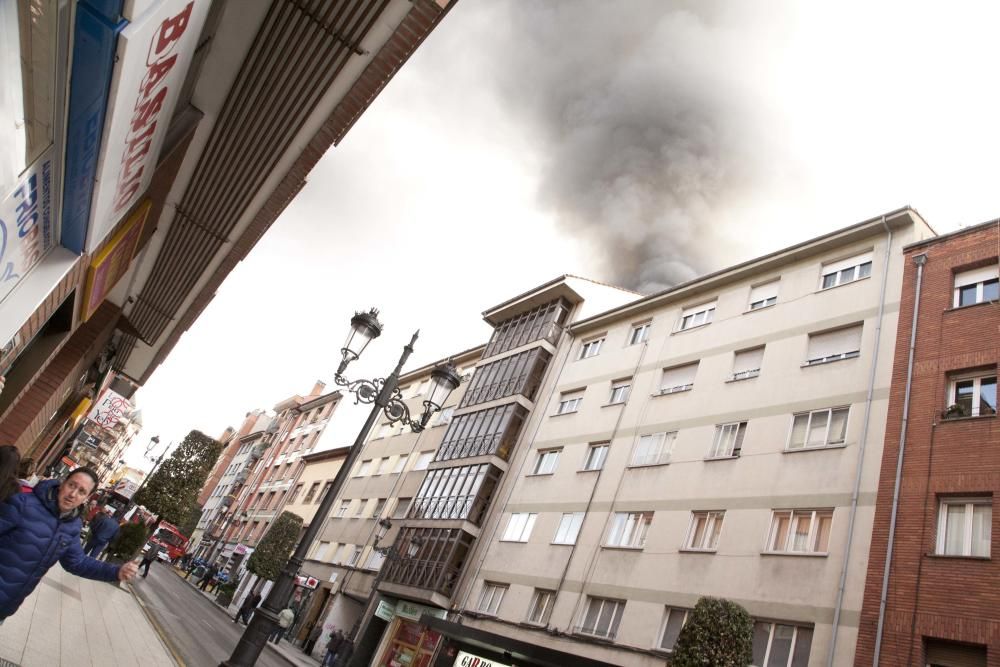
(941, 592)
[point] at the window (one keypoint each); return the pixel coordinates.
(705, 530)
(320, 553)
(976, 286)
(344, 506)
(379, 506)
(639, 334)
(834, 345)
(402, 505)
(747, 363)
(400, 463)
(569, 528)
(602, 617)
(541, 607)
(591, 348)
(678, 378)
(628, 529)
(964, 527)
(295, 493)
(846, 271)
(423, 460)
(364, 468)
(383, 466)
(546, 462)
(974, 395)
(490, 598)
(728, 441)
(596, 455)
(374, 560)
(360, 511)
(673, 621)
(444, 417)
(326, 487)
(800, 531)
(819, 428)
(654, 449)
(569, 402)
(619, 391)
(384, 431)
(519, 527)
(312, 492)
(780, 644)
(355, 557)
(696, 316)
(764, 295)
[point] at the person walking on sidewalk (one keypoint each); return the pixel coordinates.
(250, 603)
(337, 640)
(41, 528)
(206, 578)
(314, 634)
(103, 529)
(152, 555)
(285, 619)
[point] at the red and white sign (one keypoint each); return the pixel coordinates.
(110, 409)
(153, 56)
(307, 582)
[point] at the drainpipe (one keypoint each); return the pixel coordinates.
(862, 445)
(919, 260)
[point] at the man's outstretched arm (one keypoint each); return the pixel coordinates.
(76, 562)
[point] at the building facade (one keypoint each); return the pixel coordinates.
(941, 465)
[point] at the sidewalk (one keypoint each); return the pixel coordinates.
(73, 621)
(288, 652)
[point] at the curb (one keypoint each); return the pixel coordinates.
(159, 629)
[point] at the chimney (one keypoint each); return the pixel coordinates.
(318, 388)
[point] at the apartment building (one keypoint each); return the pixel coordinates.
(940, 465)
(721, 438)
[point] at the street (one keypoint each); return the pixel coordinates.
(199, 630)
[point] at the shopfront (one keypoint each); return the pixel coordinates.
(406, 640)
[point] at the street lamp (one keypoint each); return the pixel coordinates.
(386, 398)
(153, 443)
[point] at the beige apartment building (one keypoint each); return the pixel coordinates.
(720, 438)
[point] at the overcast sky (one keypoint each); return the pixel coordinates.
(640, 143)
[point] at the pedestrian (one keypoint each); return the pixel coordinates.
(314, 634)
(10, 459)
(26, 474)
(285, 619)
(103, 529)
(332, 646)
(250, 603)
(151, 555)
(41, 528)
(206, 578)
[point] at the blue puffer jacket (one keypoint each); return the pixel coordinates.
(32, 538)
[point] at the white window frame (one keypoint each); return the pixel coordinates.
(977, 388)
(722, 446)
(342, 510)
(846, 271)
(749, 372)
(444, 417)
(320, 552)
(380, 504)
(976, 277)
(838, 356)
(374, 561)
(766, 660)
(709, 539)
(384, 431)
(620, 390)
(613, 622)
(491, 598)
(423, 460)
(762, 296)
(568, 530)
(400, 464)
(697, 316)
(540, 608)
(569, 402)
(669, 613)
(639, 333)
(546, 462)
(788, 547)
(601, 450)
(591, 348)
(675, 389)
(970, 504)
(402, 508)
(364, 468)
(519, 527)
(809, 416)
(355, 557)
(629, 530)
(653, 449)
(383, 465)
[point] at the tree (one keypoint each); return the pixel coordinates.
(718, 632)
(275, 547)
(190, 522)
(172, 491)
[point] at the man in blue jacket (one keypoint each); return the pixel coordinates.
(38, 529)
(103, 529)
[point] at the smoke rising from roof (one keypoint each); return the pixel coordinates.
(643, 125)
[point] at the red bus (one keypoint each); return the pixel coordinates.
(168, 536)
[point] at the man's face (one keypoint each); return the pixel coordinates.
(74, 491)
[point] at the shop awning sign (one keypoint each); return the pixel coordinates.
(385, 610)
(26, 223)
(413, 611)
(306, 582)
(469, 660)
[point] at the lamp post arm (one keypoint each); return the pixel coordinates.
(263, 623)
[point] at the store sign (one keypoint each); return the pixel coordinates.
(414, 611)
(125, 488)
(153, 55)
(384, 610)
(110, 409)
(469, 660)
(26, 223)
(240, 549)
(306, 582)
(108, 266)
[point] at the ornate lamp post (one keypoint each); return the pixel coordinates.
(153, 443)
(385, 397)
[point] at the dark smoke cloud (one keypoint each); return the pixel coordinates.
(642, 123)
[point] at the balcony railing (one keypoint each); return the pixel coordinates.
(427, 574)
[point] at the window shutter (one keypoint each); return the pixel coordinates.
(975, 276)
(678, 376)
(960, 655)
(748, 360)
(763, 292)
(834, 342)
(846, 263)
(697, 309)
